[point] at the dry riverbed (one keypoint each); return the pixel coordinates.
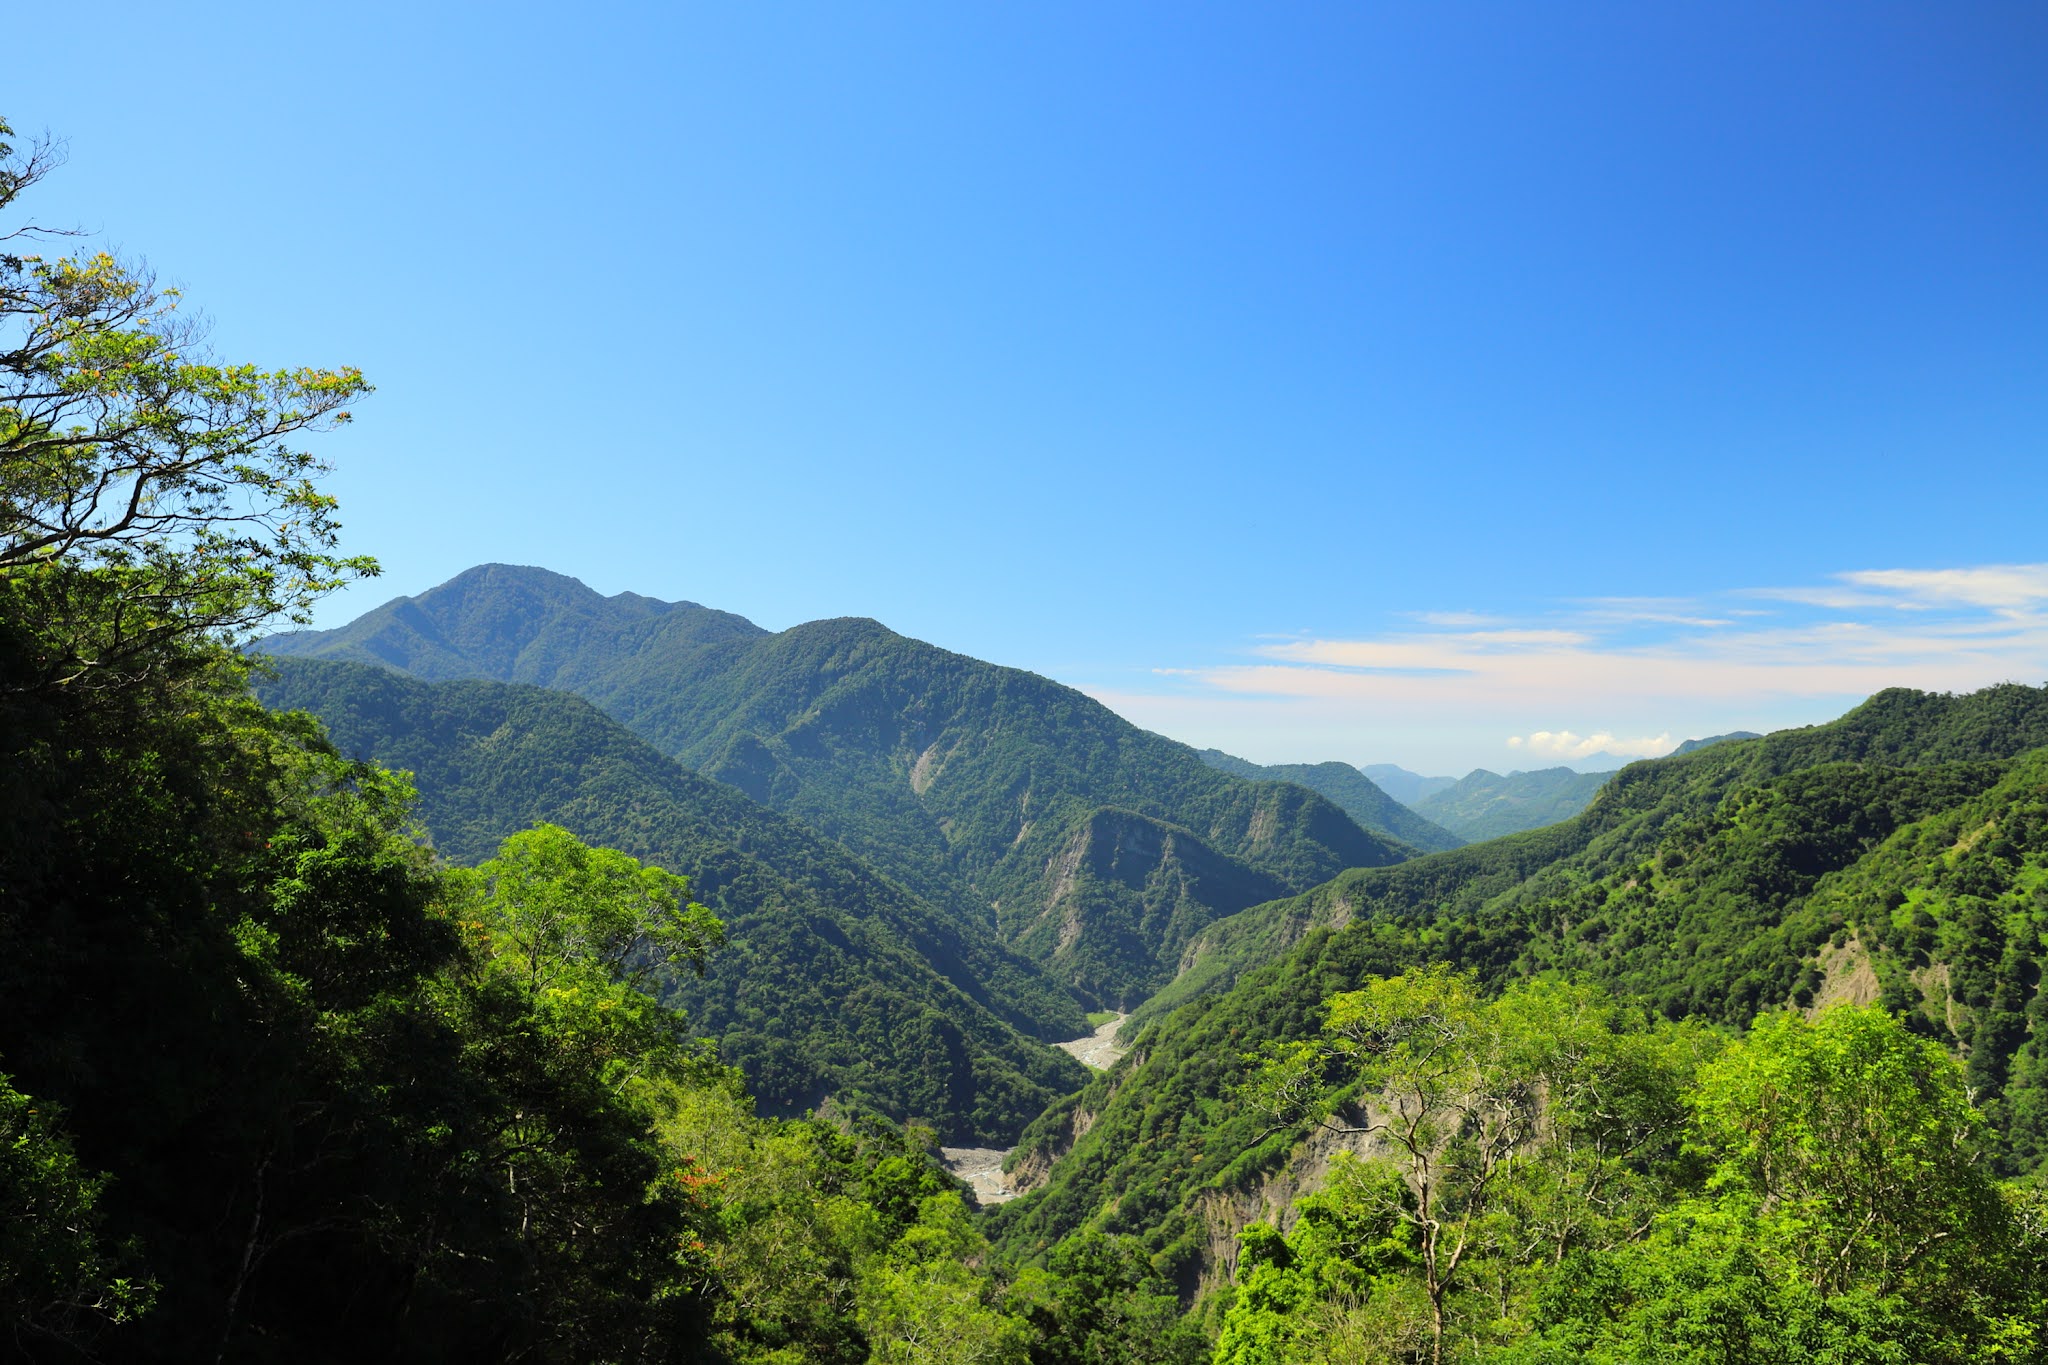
(982, 1167)
(1099, 1049)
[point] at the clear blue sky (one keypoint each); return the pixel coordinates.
(1312, 380)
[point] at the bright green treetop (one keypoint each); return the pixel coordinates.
(558, 903)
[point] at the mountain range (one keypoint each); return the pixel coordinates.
(1896, 856)
(834, 981)
(1402, 785)
(930, 865)
(1017, 805)
(1359, 795)
(1485, 805)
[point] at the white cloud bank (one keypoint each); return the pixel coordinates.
(1569, 680)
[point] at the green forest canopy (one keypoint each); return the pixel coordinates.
(834, 979)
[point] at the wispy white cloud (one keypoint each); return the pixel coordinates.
(1565, 744)
(2002, 587)
(1588, 671)
(1457, 619)
(1832, 597)
(2016, 589)
(1651, 611)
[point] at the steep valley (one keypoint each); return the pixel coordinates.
(1096, 848)
(1904, 847)
(1893, 858)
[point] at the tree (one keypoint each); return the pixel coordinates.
(1338, 1286)
(1859, 1145)
(1100, 1301)
(1433, 1070)
(1846, 1215)
(926, 1303)
(148, 493)
(59, 1281)
(1613, 1085)
(560, 904)
(1503, 1136)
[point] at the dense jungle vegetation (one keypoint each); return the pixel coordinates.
(281, 1088)
(1549, 1176)
(1895, 857)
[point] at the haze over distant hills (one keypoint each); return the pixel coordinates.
(1093, 847)
(1602, 762)
(1480, 805)
(1360, 797)
(1402, 785)
(1485, 805)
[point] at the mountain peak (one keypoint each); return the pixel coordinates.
(541, 585)
(509, 623)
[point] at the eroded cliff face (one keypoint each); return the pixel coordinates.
(1848, 977)
(1121, 897)
(1226, 1213)
(1222, 1213)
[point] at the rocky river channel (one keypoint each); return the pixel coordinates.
(982, 1167)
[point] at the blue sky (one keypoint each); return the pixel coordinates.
(1354, 381)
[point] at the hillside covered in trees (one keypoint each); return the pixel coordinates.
(1894, 859)
(833, 981)
(1097, 848)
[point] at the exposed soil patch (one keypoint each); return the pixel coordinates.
(1846, 977)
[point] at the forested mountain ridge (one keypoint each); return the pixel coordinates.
(1693, 744)
(936, 765)
(1898, 855)
(833, 981)
(1361, 797)
(1485, 805)
(979, 787)
(1899, 727)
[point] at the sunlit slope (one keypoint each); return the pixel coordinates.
(1898, 727)
(1486, 805)
(1899, 854)
(1351, 789)
(1097, 848)
(834, 979)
